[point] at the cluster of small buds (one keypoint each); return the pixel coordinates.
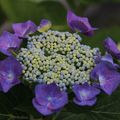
(57, 57)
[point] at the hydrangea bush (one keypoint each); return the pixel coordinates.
(57, 64)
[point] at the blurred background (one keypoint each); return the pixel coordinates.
(103, 14)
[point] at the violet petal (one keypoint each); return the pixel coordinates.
(23, 29)
(111, 47)
(107, 75)
(85, 102)
(7, 41)
(10, 71)
(44, 25)
(80, 24)
(85, 92)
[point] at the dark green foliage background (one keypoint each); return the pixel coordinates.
(17, 103)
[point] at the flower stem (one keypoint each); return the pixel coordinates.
(65, 4)
(54, 117)
(13, 52)
(14, 117)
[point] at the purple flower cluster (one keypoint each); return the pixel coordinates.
(49, 98)
(24, 29)
(10, 68)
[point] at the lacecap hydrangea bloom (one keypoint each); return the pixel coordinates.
(57, 63)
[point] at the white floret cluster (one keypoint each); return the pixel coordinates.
(58, 57)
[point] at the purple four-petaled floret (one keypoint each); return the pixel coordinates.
(111, 47)
(24, 29)
(107, 75)
(10, 71)
(49, 98)
(85, 95)
(81, 24)
(9, 41)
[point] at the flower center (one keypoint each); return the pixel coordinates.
(84, 94)
(10, 77)
(57, 57)
(49, 98)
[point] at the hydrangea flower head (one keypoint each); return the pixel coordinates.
(57, 57)
(58, 63)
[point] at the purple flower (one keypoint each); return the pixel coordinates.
(106, 73)
(111, 47)
(44, 25)
(10, 71)
(109, 58)
(23, 29)
(85, 94)
(49, 98)
(8, 41)
(81, 24)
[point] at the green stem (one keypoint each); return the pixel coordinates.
(14, 117)
(13, 52)
(65, 4)
(54, 117)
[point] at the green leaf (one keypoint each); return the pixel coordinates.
(38, 1)
(94, 1)
(106, 108)
(8, 101)
(28, 108)
(22, 10)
